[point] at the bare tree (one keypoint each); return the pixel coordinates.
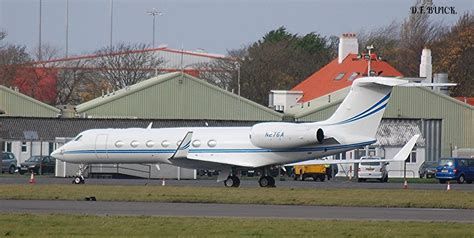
(12, 59)
(127, 64)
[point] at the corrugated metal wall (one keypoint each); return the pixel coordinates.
(457, 119)
(17, 104)
(183, 97)
(432, 134)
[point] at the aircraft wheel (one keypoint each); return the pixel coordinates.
(266, 181)
(229, 182)
(78, 180)
(236, 181)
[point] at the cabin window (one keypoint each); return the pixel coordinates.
(150, 143)
(196, 143)
(165, 143)
(119, 144)
(24, 147)
(178, 143)
(134, 143)
(212, 143)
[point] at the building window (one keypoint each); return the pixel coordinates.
(51, 147)
(7, 146)
(24, 147)
(412, 157)
(353, 76)
(340, 76)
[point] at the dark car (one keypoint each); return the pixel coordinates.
(8, 162)
(38, 164)
(428, 169)
(459, 169)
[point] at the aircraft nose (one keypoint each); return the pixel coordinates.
(58, 153)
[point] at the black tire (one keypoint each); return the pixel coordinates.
(469, 181)
(12, 169)
(322, 178)
(229, 182)
(272, 181)
(263, 182)
(302, 177)
(78, 180)
(21, 172)
(315, 178)
(236, 181)
(360, 180)
(442, 181)
(461, 179)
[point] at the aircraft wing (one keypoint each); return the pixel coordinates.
(399, 157)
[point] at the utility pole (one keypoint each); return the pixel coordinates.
(154, 12)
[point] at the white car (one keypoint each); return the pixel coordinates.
(373, 170)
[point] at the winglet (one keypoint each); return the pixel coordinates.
(183, 148)
(149, 125)
(406, 150)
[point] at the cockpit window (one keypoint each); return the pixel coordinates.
(78, 137)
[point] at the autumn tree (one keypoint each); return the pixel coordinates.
(454, 54)
(127, 64)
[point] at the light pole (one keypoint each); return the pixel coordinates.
(237, 65)
(67, 27)
(369, 48)
(154, 12)
(40, 13)
(111, 20)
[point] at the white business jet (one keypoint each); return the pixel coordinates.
(232, 149)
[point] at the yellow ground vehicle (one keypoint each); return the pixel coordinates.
(314, 171)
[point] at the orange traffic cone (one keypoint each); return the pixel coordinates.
(32, 177)
(405, 185)
(449, 186)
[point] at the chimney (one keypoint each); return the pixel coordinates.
(426, 69)
(347, 45)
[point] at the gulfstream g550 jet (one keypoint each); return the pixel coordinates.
(231, 149)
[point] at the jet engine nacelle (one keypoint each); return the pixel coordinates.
(279, 135)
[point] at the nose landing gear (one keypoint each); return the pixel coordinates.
(79, 179)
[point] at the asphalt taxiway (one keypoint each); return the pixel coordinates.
(234, 210)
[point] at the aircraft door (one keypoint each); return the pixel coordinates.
(101, 146)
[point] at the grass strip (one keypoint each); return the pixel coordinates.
(275, 196)
(54, 225)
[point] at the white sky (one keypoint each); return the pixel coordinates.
(212, 25)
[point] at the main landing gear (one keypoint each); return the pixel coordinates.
(79, 179)
(232, 181)
(266, 182)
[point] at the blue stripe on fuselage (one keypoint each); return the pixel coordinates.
(222, 151)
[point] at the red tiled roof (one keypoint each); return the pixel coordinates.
(323, 81)
(468, 100)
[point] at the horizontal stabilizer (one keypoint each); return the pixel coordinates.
(401, 156)
(183, 148)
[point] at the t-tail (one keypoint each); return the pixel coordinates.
(359, 115)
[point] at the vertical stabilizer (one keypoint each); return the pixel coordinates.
(361, 111)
